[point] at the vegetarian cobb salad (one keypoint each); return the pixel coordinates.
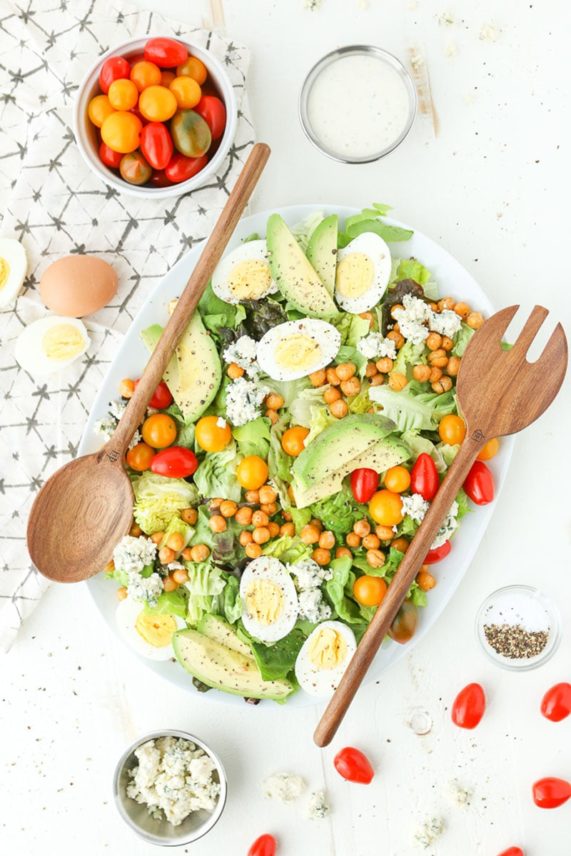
(290, 454)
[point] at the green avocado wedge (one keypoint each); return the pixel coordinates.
(322, 251)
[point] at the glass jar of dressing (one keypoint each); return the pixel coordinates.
(357, 104)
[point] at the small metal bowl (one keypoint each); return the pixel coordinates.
(161, 832)
(334, 56)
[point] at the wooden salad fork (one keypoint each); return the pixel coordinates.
(86, 507)
(499, 392)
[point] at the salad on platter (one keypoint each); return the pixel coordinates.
(290, 454)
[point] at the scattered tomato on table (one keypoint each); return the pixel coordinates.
(551, 792)
(354, 766)
(556, 703)
(265, 845)
(512, 851)
(469, 706)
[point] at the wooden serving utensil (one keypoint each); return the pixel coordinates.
(499, 392)
(86, 507)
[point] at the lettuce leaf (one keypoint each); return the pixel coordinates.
(177, 525)
(171, 603)
(412, 410)
(352, 328)
(308, 400)
(409, 356)
(336, 589)
(369, 220)
(253, 438)
(288, 549)
(415, 270)
(278, 660)
(158, 499)
(302, 231)
(215, 313)
(205, 585)
(231, 602)
(419, 445)
(216, 475)
(338, 513)
(461, 340)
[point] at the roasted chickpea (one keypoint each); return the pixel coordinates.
(135, 531)
(217, 523)
(421, 373)
(315, 521)
(397, 381)
(353, 540)
(371, 542)
(395, 309)
(252, 496)
(228, 508)
(442, 385)
(400, 544)
(397, 338)
(157, 537)
(261, 535)
(175, 541)
(351, 387)
(453, 366)
(371, 369)
(274, 529)
(345, 370)
(447, 343)
(274, 401)
(187, 554)
(126, 388)
(339, 409)
(332, 377)
(253, 551)
(243, 516)
(366, 316)
(121, 593)
(433, 341)
(260, 518)
(199, 553)
(267, 494)
(331, 394)
(375, 558)
(270, 508)
(438, 358)
(385, 365)
(317, 378)
(287, 529)
(475, 320)
(215, 503)
(462, 309)
(310, 534)
(170, 584)
(272, 415)
(322, 557)
(425, 579)
(446, 303)
(385, 533)
(166, 555)
(189, 515)
(435, 374)
(362, 527)
(234, 371)
(341, 552)
(377, 380)
(180, 576)
(327, 540)
(245, 537)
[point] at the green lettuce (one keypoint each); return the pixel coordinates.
(352, 328)
(278, 660)
(171, 603)
(253, 438)
(279, 464)
(361, 403)
(205, 585)
(415, 270)
(224, 546)
(411, 409)
(463, 504)
(338, 513)
(447, 452)
(289, 390)
(350, 354)
(303, 407)
(339, 589)
(288, 549)
(461, 340)
(216, 475)
(158, 499)
(300, 517)
(303, 230)
(409, 356)
(215, 313)
(231, 602)
(176, 524)
(369, 220)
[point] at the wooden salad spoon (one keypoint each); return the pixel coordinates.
(499, 392)
(86, 507)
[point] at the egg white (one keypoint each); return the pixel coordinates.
(323, 682)
(14, 254)
(28, 348)
(376, 250)
(222, 276)
(126, 615)
(270, 569)
(326, 335)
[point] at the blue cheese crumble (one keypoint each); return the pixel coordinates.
(244, 401)
(243, 352)
(144, 589)
(284, 787)
(133, 554)
(415, 507)
(108, 424)
(375, 345)
(448, 527)
(312, 607)
(318, 807)
(308, 574)
(416, 320)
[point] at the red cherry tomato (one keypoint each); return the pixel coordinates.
(556, 703)
(479, 484)
(176, 462)
(114, 68)
(551, 792)
(469, 706)
(213, 112)
(156, 144)
(161, 397)
(437, 554)
(265, 845)
(166, 53)
(158, 179)
(109, 157)
(424, 477)
(364, 483)
(512, 851)
(180, 168)
(354, 766)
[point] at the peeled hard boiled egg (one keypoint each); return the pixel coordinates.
(298, 348)
(50, 344)
(148, 633)
(13, 267)
(269, 599)
(363, 273)
(324, 656)
(244, 274)
(78, 285)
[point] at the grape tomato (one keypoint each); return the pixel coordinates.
(354, 766)
(166, 53)
(114, 68)
(469, 706)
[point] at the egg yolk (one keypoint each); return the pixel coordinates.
(355, 274)
(250, 279)
(297, 352)
(327, 649)
(4, 271)
(62, 342)
(156, 630)
(264, 601)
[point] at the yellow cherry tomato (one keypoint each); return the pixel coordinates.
(99, 109)
(167, 77)
(157, 103)
(252, 472)
(452, 429)
(140, 457)
(186, 91)
(211, 435)
(397, 479)
(121, 131)
(490, 450)
(159, 431)
(144, 74)
(293, 440)
(123, 94)
(385, 507)
(369, 591)
(193, 67)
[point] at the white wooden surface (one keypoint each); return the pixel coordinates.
(492, 186)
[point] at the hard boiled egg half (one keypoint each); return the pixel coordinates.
(244, 274)
(298, 348)
(13, 267)
(51, 344)
(147, 632)
(269, 599)
(324, 656)
(363, 273)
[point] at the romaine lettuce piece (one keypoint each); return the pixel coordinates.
(216, 475)
(159, 499)
(412, 410)
(253, 438)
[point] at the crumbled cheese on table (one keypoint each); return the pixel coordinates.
(243, 401)
(308, 574)
(431, 829)
(285, 787)
(243, 352)
(415, 506)
(375, 345)
(318, 807)
(312, 607)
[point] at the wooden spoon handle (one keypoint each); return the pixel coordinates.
(397, 591)
(117, 445)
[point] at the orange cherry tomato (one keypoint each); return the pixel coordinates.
(369, 591)
(121, 131)
(123, 94)
(167, 77)
(140, 457)
(293, 440)
(385, 507)
(193, 67)
(114, 68)
(159, 430)
(144, 74)
(452, 429)
(99, 108)
(186, 91)
(397, 479)
(157, 103)
(212, 433)
(252, 472)
(490, 450)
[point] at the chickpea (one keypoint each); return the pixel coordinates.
(175, 541)
(317, 378)
(425, 579)
(243, 516)
(189, 515)
(234, 371)
(274, 401)
(260, 518)
(169, 584)
(217, 523)
(397, 381)
(397, 338)
(272, 415)
(126, 388)
(377, 380)
(166, 555)
(366, 316)
(310, 534)
(261, 535)
(287, 529)
(433, 306)
(267, 494)
(395, 309)
(322, 557)
(475, 320)
(317, 523)
(462, 309)
(121, 593)
(442, 385)
(274, 529)
(331, 394)
(446, 303)
(270, 508)
(332, 377)
(345, 370)
(180, 576)
(434, 341)
(351, 387)
(385, 365)
(253, 551)
(447, 343)
(385, 533)
(187, 554)
(362, 527)
(396, 327)
(353, 540)
(135, 531)
(371, 542)
(438, 358)
(341, 552)
(400, 544)
(245, 537)
(200, 552)
(286, 516)
(370, 369)
(157, 537)
(339, 409)
(252, 496)
(215, 503)
(435, 374)
(375, 558)
(453, 366)
(421, 373)
(228, 508)
(327, 540)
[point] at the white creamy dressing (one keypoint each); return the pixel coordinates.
(358, 106)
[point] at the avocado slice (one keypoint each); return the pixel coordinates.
(294, 275)
(216, 628)
(194, 371)
(220, 667)
(322, 251)
(359, 440)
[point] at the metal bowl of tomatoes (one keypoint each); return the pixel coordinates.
(155, 117)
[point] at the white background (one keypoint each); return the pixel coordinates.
(492, 186)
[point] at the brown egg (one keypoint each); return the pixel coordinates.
(78, 285)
